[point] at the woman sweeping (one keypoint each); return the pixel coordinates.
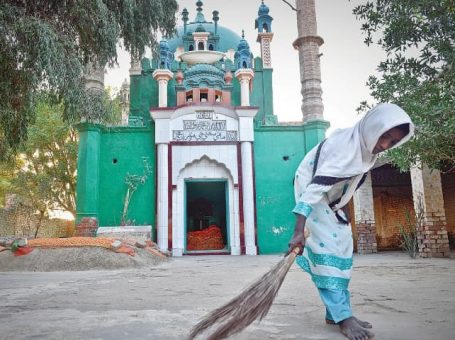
(325, 181)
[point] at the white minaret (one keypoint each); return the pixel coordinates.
(308, 44)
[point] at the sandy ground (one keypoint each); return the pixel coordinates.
(75, 259)
(403, 298)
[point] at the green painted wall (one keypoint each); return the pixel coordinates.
(123, 151)
(275, 166)
(88, 171)
(262, 91)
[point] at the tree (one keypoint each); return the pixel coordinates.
(418, 72)
(45, 171)
(45, 46)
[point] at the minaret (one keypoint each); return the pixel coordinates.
(308, 44)
(163, 74)
(264, 25)
(94, 77)
(243, 59)
(125, 101)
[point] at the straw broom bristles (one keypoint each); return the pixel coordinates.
(252, 303)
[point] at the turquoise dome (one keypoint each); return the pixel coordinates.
(263, 9)
(228, 38)
(203, 75)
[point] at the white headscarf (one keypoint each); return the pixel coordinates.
(349, 152)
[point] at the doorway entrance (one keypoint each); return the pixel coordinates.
(206, 216)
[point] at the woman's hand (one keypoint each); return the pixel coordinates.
(298, 239)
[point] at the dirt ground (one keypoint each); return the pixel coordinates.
(75, 259)
(402, 297)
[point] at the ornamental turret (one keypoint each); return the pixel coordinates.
(264, 25)
(243, 58)
(166, 56)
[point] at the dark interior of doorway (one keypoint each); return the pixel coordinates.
(206, 216)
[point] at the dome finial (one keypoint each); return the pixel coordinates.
(199, 15)
(199, 6)
(243, 34)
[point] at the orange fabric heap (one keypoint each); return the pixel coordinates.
(207, 239)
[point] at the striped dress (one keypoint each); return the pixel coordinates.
(327, 255)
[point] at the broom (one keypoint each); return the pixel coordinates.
(252, 303)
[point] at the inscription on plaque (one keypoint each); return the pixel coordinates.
(205, 128)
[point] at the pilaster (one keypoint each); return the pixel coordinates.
(364, 218)
(429, 204)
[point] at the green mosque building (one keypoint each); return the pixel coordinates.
(202, 159)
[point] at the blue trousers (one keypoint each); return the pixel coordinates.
(337, 304)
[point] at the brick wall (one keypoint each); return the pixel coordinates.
(391, 205)
(392, 193)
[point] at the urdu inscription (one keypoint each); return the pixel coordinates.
(205, 128)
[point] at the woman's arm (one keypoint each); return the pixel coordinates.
(298, 238)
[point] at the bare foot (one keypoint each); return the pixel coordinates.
(364, 324)
(353, 331)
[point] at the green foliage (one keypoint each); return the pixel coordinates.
(409, 230)
(46, 45)
(408, 234)
(417, 74)
(45, 167)
(132, 182)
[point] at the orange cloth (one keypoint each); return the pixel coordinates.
(22, 251)
(207, 239)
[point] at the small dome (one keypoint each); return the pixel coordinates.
(164, 45)
(243, 44)
(203, 75)
(227, 38)
(263, 9)
(203, 69)
(200, 28)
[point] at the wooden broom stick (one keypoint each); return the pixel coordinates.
(252, 303)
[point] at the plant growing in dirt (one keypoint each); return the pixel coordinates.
(132, 182)
(408, 231)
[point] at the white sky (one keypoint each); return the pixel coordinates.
(345, 65)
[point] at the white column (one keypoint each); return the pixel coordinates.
(162, 199)
(162, 76)
(248, 198)
(246, 138)
(244, 75)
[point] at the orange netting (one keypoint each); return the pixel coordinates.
(71, 242)
(207, 239)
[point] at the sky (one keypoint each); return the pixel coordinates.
(346, 62)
